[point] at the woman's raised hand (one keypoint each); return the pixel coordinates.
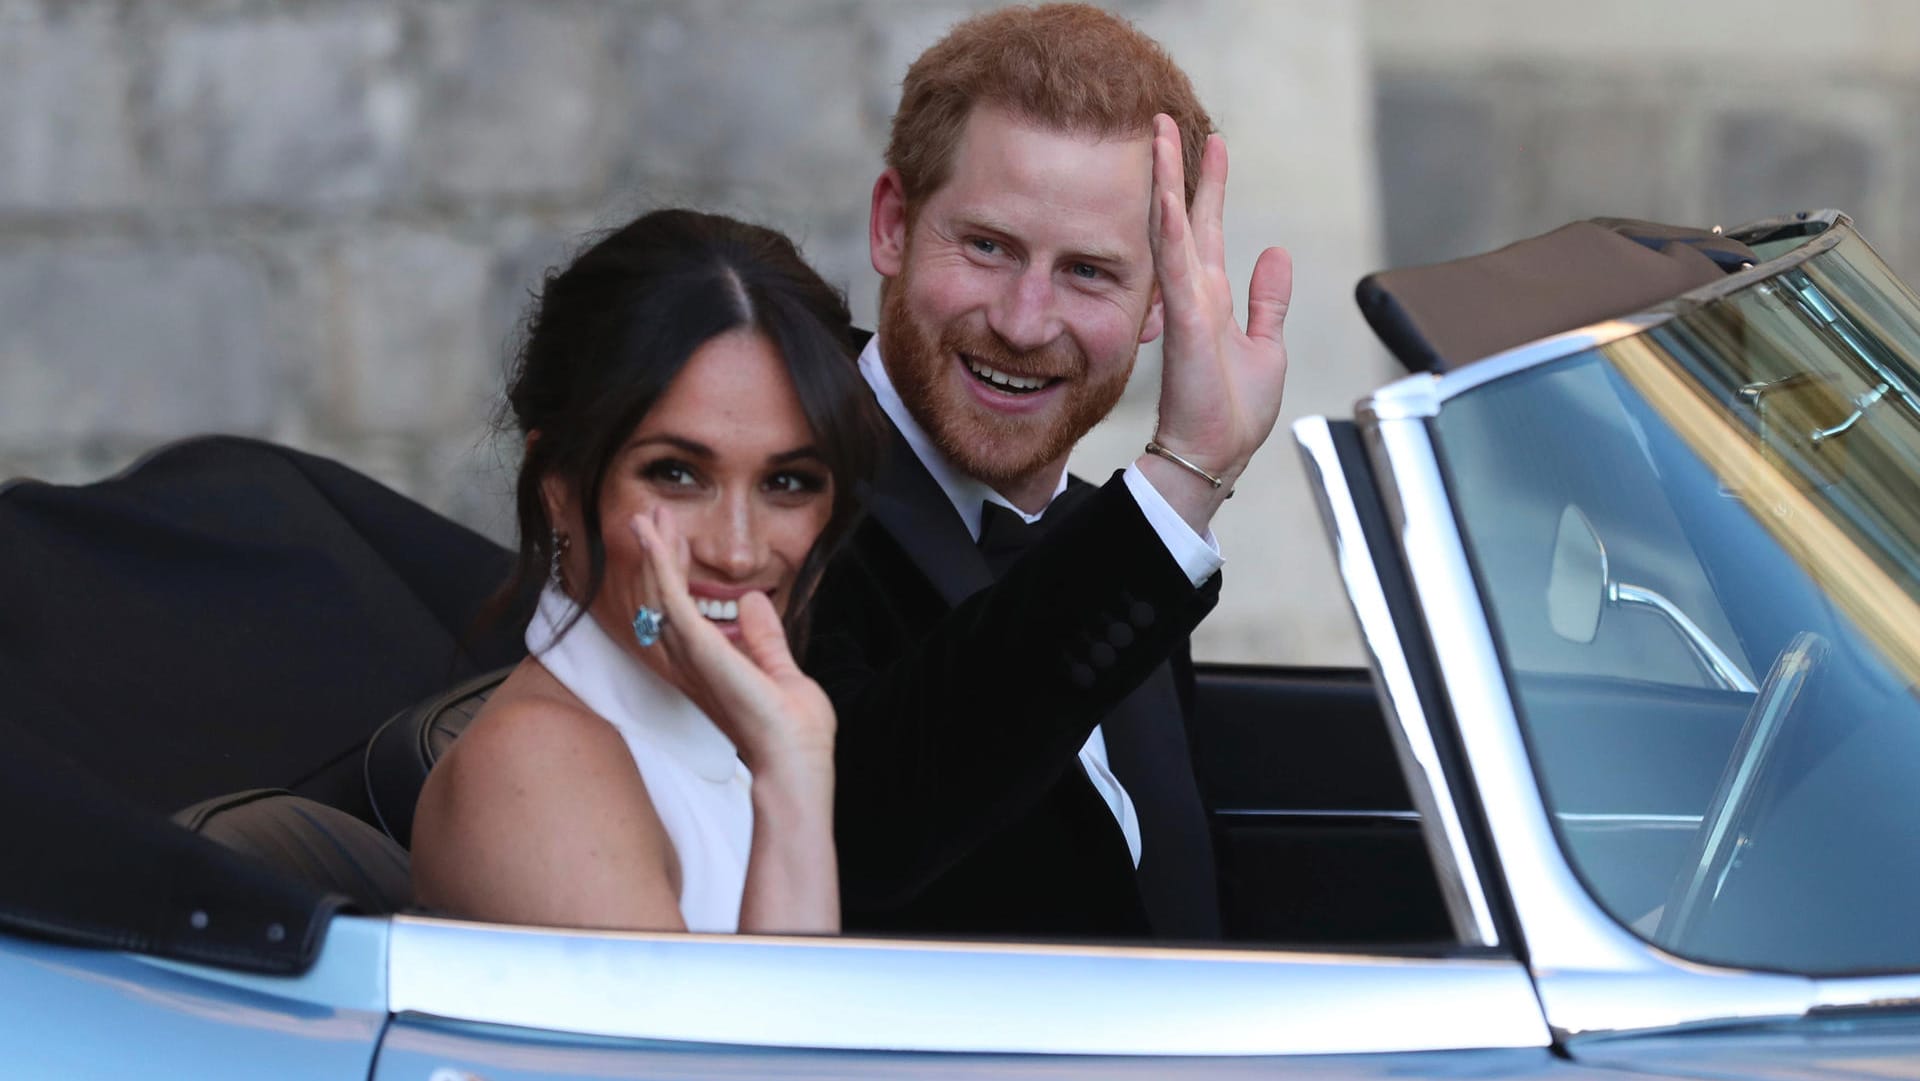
(776, 716)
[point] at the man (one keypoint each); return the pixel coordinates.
(1012, 755)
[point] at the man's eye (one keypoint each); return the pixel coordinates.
(984, 246)
(1085, 271)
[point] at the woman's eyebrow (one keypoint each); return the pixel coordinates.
(796, 454)
(689, 446)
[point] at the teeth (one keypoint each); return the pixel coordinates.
(721, 611)
(1002, 379)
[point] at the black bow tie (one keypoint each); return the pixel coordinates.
(1004, 535)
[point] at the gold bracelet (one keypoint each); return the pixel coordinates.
(1155, 448)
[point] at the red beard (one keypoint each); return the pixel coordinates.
(997, 448)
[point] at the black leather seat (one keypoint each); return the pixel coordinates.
(404, 749)
(309, 841)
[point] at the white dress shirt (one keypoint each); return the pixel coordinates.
(1198, 556)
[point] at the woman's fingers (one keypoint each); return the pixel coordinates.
(687, 636)
(763, 638)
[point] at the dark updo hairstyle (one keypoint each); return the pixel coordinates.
(609, 334)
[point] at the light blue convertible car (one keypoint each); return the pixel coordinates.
(1631, 786)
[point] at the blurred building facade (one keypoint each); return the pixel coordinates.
(320, 222)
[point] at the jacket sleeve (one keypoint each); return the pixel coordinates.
(949, 733)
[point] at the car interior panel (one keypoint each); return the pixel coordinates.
(1314, 831)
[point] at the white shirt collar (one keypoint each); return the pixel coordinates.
(966, 493)
(624, 692)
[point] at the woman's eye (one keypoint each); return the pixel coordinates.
(669, 472)
(795, 483)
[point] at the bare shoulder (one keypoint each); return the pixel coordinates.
(539, 791)
(530, 728)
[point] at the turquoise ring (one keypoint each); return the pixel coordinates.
(647, 625)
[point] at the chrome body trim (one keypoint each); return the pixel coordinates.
(1413, 742)
(1420, 395)
(911, 996)
(1630, 820)
(1593, 974)
(1317, 814)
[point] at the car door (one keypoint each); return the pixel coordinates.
(496, 1003)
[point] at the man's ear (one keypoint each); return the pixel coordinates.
(1156, 318)
(887, 225)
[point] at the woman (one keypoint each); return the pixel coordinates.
(694, 428)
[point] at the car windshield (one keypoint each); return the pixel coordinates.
(1698, 548)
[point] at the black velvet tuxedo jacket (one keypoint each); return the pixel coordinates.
(962, 806)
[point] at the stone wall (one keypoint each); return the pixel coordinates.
(1499, 119)
(317, 221)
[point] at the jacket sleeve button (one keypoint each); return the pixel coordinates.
(1119, 635)
(1101, 655)
(1080, 676)
(1140, 614)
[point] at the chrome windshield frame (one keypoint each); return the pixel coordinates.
(1414, 742)
(1594, 976)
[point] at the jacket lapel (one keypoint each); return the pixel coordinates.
(907, 502)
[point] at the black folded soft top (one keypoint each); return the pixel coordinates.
(225, 615)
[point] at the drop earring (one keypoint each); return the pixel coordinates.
(557, 544)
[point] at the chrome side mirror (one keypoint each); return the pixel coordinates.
(1577, 584)
(1579, 587)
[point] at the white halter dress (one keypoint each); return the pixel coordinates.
(699, 787)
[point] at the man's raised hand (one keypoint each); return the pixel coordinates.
(1220, 386)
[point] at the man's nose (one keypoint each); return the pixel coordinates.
(728, 536)
(1023, 313)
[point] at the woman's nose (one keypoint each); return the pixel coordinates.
(728, 537)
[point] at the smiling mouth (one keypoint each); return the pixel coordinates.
(718, 611)
(1006, 382)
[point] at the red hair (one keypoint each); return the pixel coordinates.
(1066, 67)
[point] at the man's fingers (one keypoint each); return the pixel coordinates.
(1210, 204)
(1269, 295)
(1167, 175)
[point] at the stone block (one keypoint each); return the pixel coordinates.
(722, 102)
(1605, 157)
(406, 349)
(1764, 163)
(512, 100)
(525, 251)
(297, 108)
(1440, 152)
(66, 138)
(134, 344)
(469, 477)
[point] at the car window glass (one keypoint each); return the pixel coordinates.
(1730, 769)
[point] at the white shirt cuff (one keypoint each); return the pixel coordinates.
(1197, 555)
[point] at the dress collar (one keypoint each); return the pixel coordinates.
(626, 693)
(964, 492)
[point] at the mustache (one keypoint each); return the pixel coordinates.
(1054, 361)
